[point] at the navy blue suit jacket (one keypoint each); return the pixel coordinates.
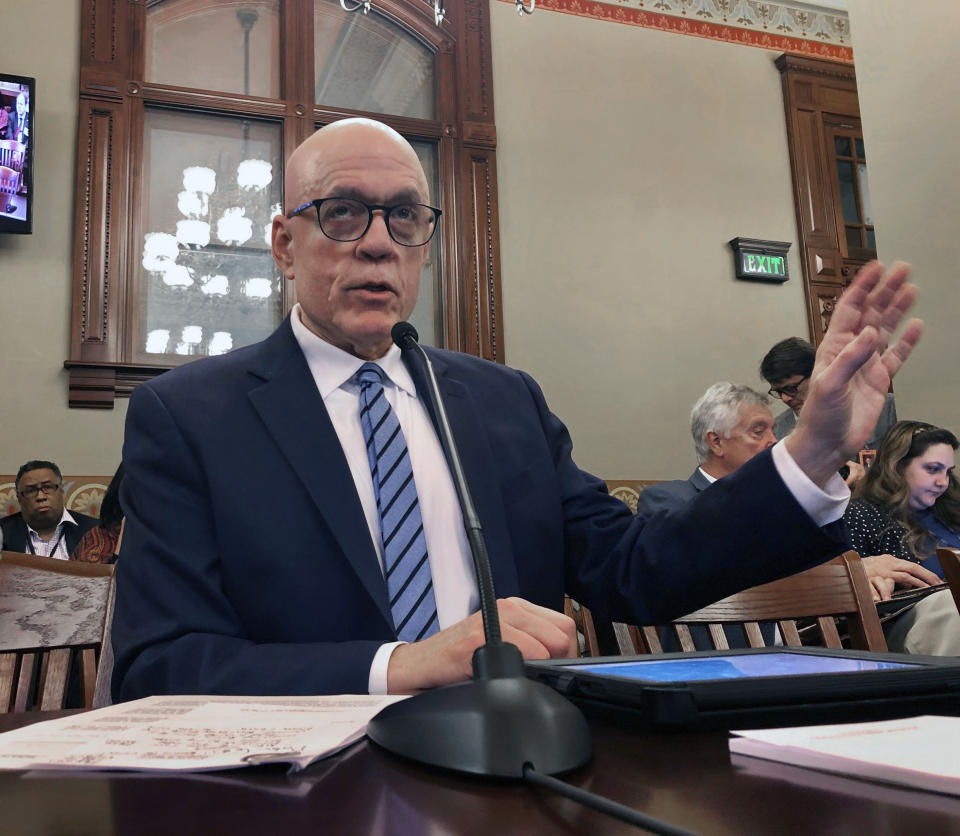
(673, 496)
(666, 496)
(247, 564)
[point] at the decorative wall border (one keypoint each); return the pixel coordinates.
(784, 27)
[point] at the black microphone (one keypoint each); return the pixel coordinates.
(500, 723)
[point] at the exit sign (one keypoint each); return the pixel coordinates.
(760, 260)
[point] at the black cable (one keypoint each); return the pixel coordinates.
(603, 805)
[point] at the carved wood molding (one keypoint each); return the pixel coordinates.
(815, 91)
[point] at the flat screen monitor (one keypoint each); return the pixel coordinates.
(18, 104)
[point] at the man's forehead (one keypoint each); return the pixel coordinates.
(789, 380)
(42, 474)
(751, 412)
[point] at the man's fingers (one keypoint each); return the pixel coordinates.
(553, 631)
(895, 356)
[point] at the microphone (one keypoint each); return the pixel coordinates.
(500, 723)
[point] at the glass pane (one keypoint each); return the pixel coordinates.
(366, 62)
(211, 188)
(871, 240)
(854, 241)
(842, 145)
(864, 193)
(860, 151)
(425, 317)
(848, 192)
(212, 45)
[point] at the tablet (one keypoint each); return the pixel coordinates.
(754, 688)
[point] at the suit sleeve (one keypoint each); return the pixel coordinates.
(175, 627)
(747, 529)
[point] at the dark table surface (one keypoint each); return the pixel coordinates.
(688, 779)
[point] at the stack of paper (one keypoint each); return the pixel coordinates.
(194, 733)
(918, 752)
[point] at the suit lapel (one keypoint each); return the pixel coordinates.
(476, 454)
(294, 415)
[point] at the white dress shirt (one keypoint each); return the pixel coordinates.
(451, 565)
(56, 546)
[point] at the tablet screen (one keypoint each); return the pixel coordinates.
(737, 666)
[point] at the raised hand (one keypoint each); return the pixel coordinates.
(854, 366)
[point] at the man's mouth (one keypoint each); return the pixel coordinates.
(375, 287)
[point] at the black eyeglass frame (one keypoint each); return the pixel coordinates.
(47, 488)
(371, 208)
(789, 391)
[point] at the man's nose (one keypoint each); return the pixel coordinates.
(769, 439)
(376, 240)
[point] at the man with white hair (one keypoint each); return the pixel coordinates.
(730, 424)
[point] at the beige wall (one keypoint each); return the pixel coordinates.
(627, 158)
(641, 125)
(910, 104)
(35, 269)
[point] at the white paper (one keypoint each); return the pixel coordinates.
(918, 751)
(192, 733)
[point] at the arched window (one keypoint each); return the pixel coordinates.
(188, 110)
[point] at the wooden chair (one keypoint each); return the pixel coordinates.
(8, 181)
(51, 613)
(11, 154)
(837, 588)
(950, 563)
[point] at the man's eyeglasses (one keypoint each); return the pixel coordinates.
(346, 219)
(30, 491)
(786, 391)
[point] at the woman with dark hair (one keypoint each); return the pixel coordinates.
(100, 544)
(906, 506)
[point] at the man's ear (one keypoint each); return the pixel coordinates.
(281, 244)
(714, 442)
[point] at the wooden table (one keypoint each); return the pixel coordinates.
(687, 779)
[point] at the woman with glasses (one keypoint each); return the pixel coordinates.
(907, 505)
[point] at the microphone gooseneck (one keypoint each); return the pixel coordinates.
(406, 338)
(500, 722)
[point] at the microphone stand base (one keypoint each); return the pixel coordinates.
(487, 727)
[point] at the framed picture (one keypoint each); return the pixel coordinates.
(867, 457)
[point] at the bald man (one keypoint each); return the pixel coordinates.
(261, 555)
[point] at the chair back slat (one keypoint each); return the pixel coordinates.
(789, 633)
(54, 670)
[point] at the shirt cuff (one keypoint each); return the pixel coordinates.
(823, 506)
(377, 681)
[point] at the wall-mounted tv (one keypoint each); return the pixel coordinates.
(17, 105)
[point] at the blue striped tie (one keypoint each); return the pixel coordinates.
(407, 568)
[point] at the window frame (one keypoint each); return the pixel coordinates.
(113, 99)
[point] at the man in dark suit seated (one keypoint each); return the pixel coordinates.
(730, 424)
(42, 525)
(292, 525)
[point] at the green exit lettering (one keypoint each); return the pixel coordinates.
(771, 265)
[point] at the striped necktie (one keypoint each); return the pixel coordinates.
(406, 566)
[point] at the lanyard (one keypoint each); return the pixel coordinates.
(52, 551)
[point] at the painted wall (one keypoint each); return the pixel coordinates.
(627, 159)
(911, 120)
(35, 270)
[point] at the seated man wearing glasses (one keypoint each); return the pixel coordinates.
(292, 526)
(787, 368)
(43, 526)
